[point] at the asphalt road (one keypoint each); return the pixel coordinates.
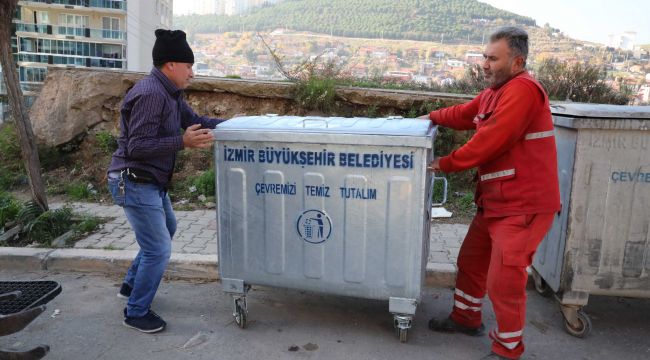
(315, 326)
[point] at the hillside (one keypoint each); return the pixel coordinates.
(452, 21)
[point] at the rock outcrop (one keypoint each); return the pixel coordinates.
(74, 102)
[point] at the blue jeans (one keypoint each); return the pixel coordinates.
(149, 211)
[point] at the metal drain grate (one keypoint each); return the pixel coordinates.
(34, 293)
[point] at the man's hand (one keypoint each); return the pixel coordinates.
(195, 137)
(434, 165)
(424, 117)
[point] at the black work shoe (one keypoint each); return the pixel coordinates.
(150, 323)
(125, 291)
(450, 326)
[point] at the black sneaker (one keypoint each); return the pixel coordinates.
(150, 311)
(125, 291)
(150, 323)
(449, 326)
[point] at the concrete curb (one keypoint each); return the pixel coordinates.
(105, 262)
(181, 266)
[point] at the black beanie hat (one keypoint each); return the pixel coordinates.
(171, 46)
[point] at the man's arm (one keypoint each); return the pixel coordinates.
(505, 126)
(458, 117)
(144, 122)
(189, 118)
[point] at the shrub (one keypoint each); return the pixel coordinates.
(9, 209)
(9, 144)
(316, 93)
(577, 82)
(11, 165)
(106, 142)
(205, 183)
(49, 225)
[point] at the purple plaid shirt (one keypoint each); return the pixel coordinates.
(152, 116)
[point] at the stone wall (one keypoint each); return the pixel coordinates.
(74, 102)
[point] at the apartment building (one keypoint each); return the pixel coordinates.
(104, 34)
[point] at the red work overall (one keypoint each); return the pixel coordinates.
(517, 196)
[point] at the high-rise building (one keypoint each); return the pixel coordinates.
(107, 34)
(143, 18)
(624, 41)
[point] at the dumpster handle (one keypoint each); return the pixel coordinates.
(304, 121)
(444, 191)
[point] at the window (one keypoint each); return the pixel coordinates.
(72, 25)
(42, 17)
(72, 20)
(111, 28)
(27, 45)
(29, 74)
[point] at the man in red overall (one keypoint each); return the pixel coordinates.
(517, 193)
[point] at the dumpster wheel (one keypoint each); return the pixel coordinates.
(582, 326)
(403, 335)
(541, 286)
(402, 324)
(240, 312)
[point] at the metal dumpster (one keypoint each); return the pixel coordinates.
(600, 241)
(332, 205)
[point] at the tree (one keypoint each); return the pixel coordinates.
(29, 151)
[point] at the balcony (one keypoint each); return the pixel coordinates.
(71, 31)
(80, 61)
(104, 4)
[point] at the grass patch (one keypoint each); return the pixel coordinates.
(205, 183)
(81, 191)
(106, 141)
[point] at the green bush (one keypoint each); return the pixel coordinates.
(49, 225)
(9, 209)
(578, 83)
(11, 164)
(372, 111)
(466, 202)
(29, 211)
(205, 183)
(316, 93)
(106, 142)
(9, 145)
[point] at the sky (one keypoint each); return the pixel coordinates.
(591, 20)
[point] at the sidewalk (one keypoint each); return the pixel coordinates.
(195, 241)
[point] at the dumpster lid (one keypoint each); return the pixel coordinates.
(393, 126)
(600, 111)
